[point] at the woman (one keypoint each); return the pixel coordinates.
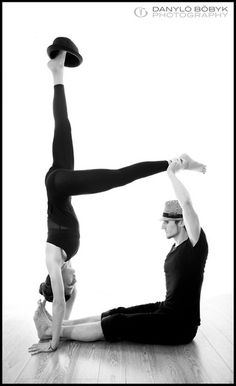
(62, 182)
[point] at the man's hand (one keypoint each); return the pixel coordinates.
(41, 347)
(175, 165)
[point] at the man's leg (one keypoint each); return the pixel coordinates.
(143, 308)
(139, 309)
(84, 332)
(88, 319)
(42, 310)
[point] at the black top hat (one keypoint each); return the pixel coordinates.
(73, 57)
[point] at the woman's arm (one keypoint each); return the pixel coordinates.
(53, 262)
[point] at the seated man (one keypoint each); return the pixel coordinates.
(172, 321)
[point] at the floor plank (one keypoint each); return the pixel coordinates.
(221, 344)
(208, 359)
(19, 333)
(138, 368)
(112, 368)
(210, 362)
(218, 311)
(163, 365)
(54, 367)
(87, 364)
(217, 326)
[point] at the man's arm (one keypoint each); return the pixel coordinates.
(190, 217)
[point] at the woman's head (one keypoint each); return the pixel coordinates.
(68, 276)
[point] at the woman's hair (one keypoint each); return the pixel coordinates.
(45, 289)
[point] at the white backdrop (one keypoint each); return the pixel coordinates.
(149, 89)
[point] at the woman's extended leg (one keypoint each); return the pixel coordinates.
(72, 183)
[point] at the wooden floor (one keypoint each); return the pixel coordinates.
(208, 359)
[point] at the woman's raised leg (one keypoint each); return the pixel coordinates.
(62, 149)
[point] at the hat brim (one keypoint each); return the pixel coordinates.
(73, 59)
(170, 218)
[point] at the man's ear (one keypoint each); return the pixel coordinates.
(181, 223)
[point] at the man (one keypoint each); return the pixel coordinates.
(172, 321)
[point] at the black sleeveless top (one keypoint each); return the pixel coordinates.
(62, 222)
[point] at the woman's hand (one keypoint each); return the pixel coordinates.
(41, 347)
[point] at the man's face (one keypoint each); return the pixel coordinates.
(171, 228)
(69, 279)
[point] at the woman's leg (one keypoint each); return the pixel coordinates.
(62, 149)
(69, 182)
(76, 182)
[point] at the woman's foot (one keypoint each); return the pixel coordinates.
(58, 62)
(56, 65)
(43, 325)
(43, 303)
(189, 164)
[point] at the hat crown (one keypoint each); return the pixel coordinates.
(172, 210)
(66, 42)
(173, 206)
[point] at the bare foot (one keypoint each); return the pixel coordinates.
(43, 325)
(58, 62)
(189, 164)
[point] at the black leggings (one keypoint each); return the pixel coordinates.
(69, 182)
(146, 323)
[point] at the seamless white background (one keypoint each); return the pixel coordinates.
(148, 89)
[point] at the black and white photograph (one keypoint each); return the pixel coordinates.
(117, 227)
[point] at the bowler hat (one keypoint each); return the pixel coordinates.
(73, 57)
(172, 211)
